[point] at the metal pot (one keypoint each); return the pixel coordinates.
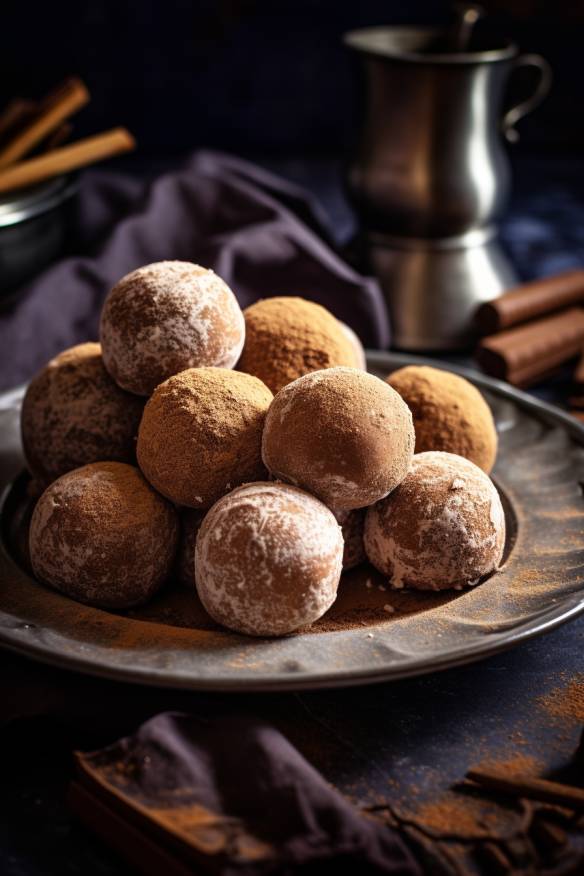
(33, 226)
(430, 176)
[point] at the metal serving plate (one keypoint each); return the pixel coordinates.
(371, 633)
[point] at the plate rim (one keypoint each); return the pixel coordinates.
(151, 676)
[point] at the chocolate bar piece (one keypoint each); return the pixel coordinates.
(530, 301)
(524, 355)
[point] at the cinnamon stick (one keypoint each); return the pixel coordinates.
(524, 355)
(567, 796)
(530, 301)
(66, 158)
(66, 101)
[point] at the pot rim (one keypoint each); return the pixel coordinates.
(25, 204)
(363, 40)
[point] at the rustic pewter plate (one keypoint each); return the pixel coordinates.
(371, 633)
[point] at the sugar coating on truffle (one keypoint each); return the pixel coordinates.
(268, 559)
(73, 413)
(443, 527)
(201, 434)
(288, 337)
(190, 523)
(166, 317)
(358, 348)
(103, 536)
(342, 434)
(449, 413)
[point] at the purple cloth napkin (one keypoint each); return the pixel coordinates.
(240, 799)
(261, 234)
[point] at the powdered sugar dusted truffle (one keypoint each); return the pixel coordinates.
(167, 317)
(201, 434)
(443, 527)
(73, 413)
(103, 536)
(342, 434)
(268, 559)
(352, 524)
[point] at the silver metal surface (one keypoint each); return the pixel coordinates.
(430, 163)
(32, 230)
(433, 288)
(540, 473)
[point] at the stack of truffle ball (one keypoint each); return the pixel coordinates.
(256, 485)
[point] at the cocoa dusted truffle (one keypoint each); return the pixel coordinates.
(342, 434)
(449, 413)
(268, 559)
(352, 524)
(201, 434)
(443, 527)
(73, 413)
(167, 317)
(288, 337)
(103, 536)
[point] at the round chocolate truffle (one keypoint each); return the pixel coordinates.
(103, 536)
(268, 559)
(449, 413)
(167, 317)
(358, 348)
(342, 434)
(352, 524)
(443, 527)
(190, 523)
(73, 413)
(201, 434)
(288, 337)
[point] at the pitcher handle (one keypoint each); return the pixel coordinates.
(542, 87)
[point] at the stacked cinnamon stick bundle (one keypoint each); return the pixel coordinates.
(533, 330)
(32, 138)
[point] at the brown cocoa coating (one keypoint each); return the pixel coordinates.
(268, 559)
(342, 434)
(201, 434)
(449, 413)
(190, 523)
(166, 317)
(443, 526)
(288, 337)
(352, 524)
(103, 536)
(73, 413)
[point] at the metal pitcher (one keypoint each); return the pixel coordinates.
(430, 176)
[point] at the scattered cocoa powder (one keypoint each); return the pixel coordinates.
(449, 413)
(288, 337)
(566, 702)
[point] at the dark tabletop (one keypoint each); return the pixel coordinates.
(402, 742)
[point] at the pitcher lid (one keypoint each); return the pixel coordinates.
(415, 45)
